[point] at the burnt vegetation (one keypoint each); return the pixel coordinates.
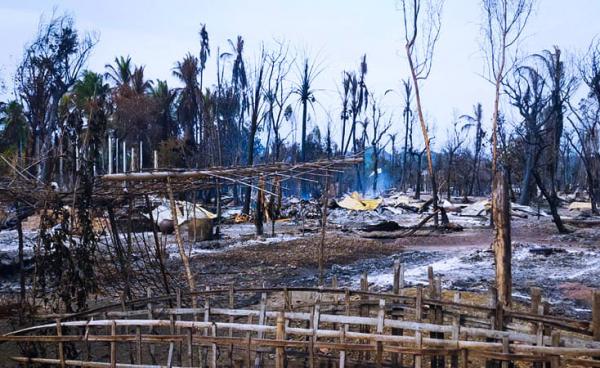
(66, 127)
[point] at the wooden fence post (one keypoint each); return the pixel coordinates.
(506, 351)
(61, 347)
(231, 306)
(113, 345)
(596, 315)
(315, 320)
(455, 330)
(536, 301)
(418, 358)
(261, 321)
(342, 352)
(555, 360)
(213, 360)
(396, 311)
(380, 325)
(138, 349)
(280, 336)
(150, 316)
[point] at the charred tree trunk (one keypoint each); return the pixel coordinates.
(502, 238)
(254, 120)
(592, 189)
(449, 176)
(432, 176)
(404, 157)
(419, 177)
(260, 206)
(323, 233)
(526, 184)
(553, 203)
(304, 117)
(21, 264)
(375, 171)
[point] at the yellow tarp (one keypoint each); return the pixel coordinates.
(356, 203)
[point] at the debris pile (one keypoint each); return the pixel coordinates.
(355, 202)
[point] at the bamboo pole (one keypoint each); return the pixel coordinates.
(182, 253)
(595, 326)
(418, 359)
(61, 348)
(113, 346)
(280, 335)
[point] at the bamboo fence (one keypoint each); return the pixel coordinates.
(313, 327)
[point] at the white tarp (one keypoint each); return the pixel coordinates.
(185, 211)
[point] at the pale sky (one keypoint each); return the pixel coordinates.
(158, 33)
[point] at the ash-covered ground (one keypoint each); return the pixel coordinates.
(566, 267)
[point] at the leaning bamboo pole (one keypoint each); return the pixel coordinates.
(184, 257)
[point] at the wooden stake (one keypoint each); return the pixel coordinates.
(536, 301)
(342, 341)
(455, 330)
(380, 325)
(280, 335)
(323, 231)
(555, 360)
(261, 321)
(113, 346)
(213, 360)
(505, 350)
(418, 316)
(596, 315)
(61, 347)
(138, 348)
(150, 316)
(190, 348)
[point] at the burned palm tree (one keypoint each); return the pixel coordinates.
(256, 117)
(453, 145)
(561, 86)
(359, 100)
(379, 130)
(345, 113)
(204, 52)
(407, 114)
(277, 97)
(585, 121)
(474, 122)
(308, 72)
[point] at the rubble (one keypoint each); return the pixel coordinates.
(301, 208)
(356, 202)
(185, 211)
(482, 208)
(382, 226)
(580, 206)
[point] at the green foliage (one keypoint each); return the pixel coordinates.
(14, 130)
